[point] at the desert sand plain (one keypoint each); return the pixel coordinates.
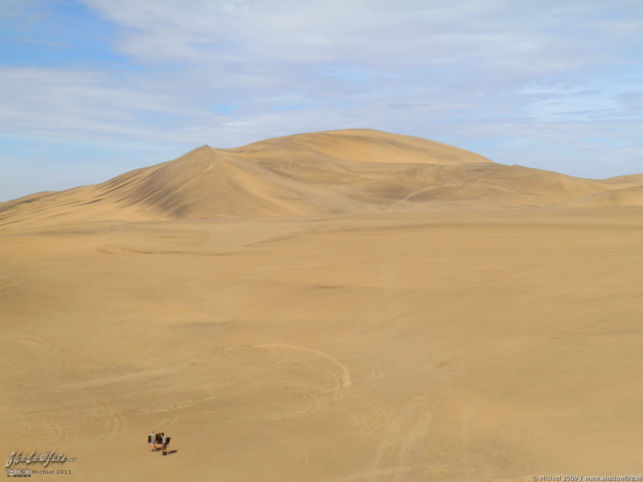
(340, 306)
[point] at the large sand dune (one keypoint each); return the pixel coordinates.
(354, 171)
(342, 306)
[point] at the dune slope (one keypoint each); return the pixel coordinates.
(320, 173)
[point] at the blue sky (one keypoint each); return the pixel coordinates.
(90, 89)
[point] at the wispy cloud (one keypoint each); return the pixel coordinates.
(83, 104)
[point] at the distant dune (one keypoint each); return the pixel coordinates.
(350, 171)
(628, 196)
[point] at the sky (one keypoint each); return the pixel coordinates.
(90, 89)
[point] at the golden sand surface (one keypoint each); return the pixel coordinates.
(344, 306)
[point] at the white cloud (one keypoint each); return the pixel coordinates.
(80, 103)
(543, 36)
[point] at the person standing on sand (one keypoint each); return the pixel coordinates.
(153, 440)
(164, 443)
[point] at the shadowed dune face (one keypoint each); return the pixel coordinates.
(354, 171)
(339, 306)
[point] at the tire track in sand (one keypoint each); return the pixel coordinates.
(346, 380)
(401, 440)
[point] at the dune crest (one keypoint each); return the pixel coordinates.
(347, 171)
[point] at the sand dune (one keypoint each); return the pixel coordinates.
(341, 306)
(627, 196)
(361, 145)
(322, 173)
(628, 181)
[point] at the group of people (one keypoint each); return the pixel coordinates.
(154, 439)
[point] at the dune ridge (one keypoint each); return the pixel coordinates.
(348, 171)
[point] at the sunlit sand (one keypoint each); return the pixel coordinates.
(342, 306)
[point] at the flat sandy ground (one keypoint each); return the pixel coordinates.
(436, 346)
